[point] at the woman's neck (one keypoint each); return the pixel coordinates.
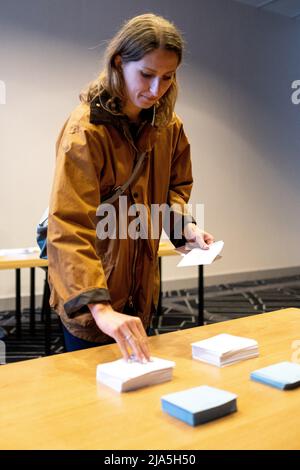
(132, 112)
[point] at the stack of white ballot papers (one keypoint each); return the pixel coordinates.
(124, 376)
(224, 349)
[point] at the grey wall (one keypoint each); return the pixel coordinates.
(235, 100)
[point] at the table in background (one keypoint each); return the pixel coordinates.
(55, 403)
(18, 262)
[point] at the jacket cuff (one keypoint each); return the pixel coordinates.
(179, 229)
(75, 306)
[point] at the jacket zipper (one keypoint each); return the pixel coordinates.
(135, 255)
(131, 292)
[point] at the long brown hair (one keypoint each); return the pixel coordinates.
(138, 36)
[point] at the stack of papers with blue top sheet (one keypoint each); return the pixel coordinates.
(199, 405)
(124, 376)
(283, 375)
(224, 349)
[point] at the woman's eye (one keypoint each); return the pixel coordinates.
(166, 78)
(146, 75)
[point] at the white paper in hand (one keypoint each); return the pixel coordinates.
(197, 256)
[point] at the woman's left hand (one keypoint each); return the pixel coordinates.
(197, 238)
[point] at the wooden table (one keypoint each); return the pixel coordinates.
(55, 403)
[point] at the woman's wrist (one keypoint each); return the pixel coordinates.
(100, 308)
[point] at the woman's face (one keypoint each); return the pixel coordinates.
(148, 79)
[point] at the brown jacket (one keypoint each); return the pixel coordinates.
(96, 153)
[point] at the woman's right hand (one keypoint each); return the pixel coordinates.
(127, 330)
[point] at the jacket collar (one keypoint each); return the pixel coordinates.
(147, 136)
(99, 115)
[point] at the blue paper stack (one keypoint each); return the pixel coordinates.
(283, 375)
(199, 405)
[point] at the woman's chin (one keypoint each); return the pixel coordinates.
(146, 103)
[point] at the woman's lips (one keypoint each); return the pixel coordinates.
(150, 100)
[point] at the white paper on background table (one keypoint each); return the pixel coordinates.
(19, 251)
(224, 349)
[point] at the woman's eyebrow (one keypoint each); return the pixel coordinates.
(155, 71)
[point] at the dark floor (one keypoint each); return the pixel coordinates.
(222, 302)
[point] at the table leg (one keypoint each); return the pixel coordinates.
(18, 302)
(200, 296)
(32, 301)
(159, 305)
(46, 311)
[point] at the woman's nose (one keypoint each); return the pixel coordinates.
(154, 87)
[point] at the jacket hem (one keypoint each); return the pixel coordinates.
(82, 300)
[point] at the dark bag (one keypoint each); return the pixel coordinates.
(41, 234)
(42, 228)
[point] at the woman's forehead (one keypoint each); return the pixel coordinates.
(160, 60)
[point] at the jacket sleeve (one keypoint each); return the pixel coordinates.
(75, 270)
(181, 182)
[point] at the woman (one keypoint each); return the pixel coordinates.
(106, 288)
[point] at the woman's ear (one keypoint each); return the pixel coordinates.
(118, 62)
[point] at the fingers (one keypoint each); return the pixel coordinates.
(198, 243)
(143, 339)
(197, 238)
(123, 347)
(135, 346)
(201, 242)
(208, 238)
(126, 330)
(133, 340)
(204, 240)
